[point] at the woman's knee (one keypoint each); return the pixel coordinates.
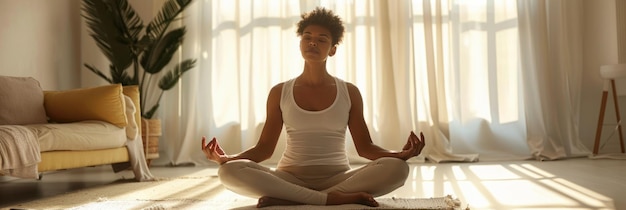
(391, 173)
(239, 176)
(395, 167)
(231, 169)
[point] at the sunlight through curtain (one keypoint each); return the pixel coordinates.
(552, 60)
(482, 85)
(451, 69)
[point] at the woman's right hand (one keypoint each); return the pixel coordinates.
(413, 147)
(213, 151)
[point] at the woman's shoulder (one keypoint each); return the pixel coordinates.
(345, 82)
(278, 87)
(351, 87)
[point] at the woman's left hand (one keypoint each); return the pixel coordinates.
(413, 146)
(213, 151)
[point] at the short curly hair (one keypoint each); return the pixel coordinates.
(324, 18)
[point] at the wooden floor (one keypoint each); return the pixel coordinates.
(565, 184)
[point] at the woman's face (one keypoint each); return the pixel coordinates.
(316, 44)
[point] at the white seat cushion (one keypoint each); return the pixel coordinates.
(84, 135)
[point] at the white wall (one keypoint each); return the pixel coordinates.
(600, 48)
(48, 40)
(39, 38)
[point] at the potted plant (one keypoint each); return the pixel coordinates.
(139, 53)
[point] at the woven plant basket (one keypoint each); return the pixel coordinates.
(150, 134)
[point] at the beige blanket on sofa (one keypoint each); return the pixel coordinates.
(19, 152)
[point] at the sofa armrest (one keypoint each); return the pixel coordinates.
(134, 122)
(132, 91)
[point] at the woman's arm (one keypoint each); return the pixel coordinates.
(264, 148)
(362, 139)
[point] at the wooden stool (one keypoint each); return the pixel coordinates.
(609, 73)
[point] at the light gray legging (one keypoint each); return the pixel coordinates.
(310, 184)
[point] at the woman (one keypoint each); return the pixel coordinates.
(315, 108)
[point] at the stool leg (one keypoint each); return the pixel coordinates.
(596, 144)
(622, 145)
(617, 114)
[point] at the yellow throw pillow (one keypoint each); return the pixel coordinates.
(104, 103)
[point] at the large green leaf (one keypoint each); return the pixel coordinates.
(106, 32)
(130, 25)
(163, 45)
(127, 20)
(120, 76)
(160, 53)
(170, 79)
(99, 73)
(170, 10)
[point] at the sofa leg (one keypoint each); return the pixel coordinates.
(40, 176)
(117, 167)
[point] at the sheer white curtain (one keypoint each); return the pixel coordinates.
(481, 84)
(550, 33)
(451, 69)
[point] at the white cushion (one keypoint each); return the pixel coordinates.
(85, 135)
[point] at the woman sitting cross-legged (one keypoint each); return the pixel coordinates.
(315, 108)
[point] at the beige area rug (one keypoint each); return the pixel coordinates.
(193, 192)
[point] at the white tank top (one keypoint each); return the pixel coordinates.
(315, 137)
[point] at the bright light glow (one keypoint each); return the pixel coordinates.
(537, 170)
(473, 196)
(576, 194)
(504, 10)
(511, 186)
(448, 188)
(194, 186)
(525, 193)
(169, 189)
(475, 82)
(492, 172)
(507, 82)
(473, 10)
(428, 189)
(582, 189)
(458, 173)
(526, 172)
(428, 172)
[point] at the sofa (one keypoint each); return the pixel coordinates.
(43, 131)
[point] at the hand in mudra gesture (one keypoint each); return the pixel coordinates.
(213, 151)
(413, 146)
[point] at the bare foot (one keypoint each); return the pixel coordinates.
(266, 201)
(338, 198)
